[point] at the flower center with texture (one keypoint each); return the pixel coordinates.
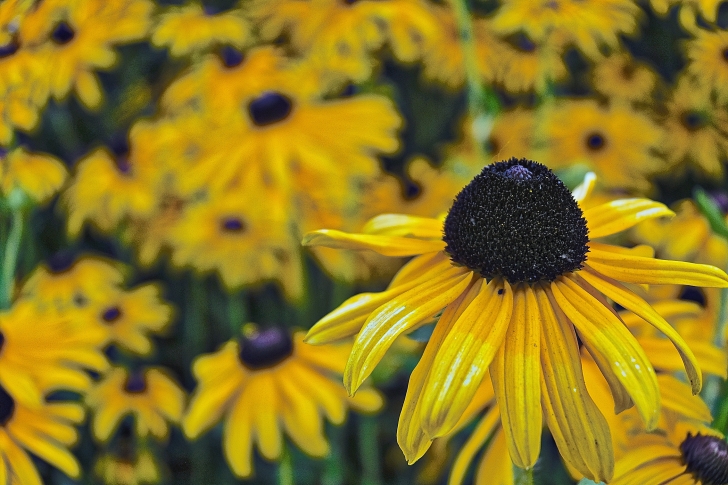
(595, 141)
(230, 56)
(517, 220)
(706, 457)
(135, 383)
(111, 315)
(7, 406)
(232, 224)
(63, 33)
(269, 108)
(265, 348)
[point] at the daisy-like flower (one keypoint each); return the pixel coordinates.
(586, 26)
(695, 129)
(516, 257)
(616, 142)
(708, 61)
(689, 9)
(46, 432)
(151, 396)
(130, 316)
(53, 355)
(193, 28)
(266, 381)
(619, 77)
(523, 65)
(38, 176)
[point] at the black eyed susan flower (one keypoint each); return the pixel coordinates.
(523, 65)
(151, 396)
(621, 78)
(193, 28)
(617, 142)
(708, 61)
(515, 263)
(689, 10)
(38, 176)
(266, 381)
(46, 431)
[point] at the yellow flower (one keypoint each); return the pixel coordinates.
(411, 26)
(129, 316)
(266, 381)
(708, 62)
(695, 130)
(689, 9)
(46, 431)
(523, 65)
(151, 396)
(621, 78)
(192, 28)
(37, 175)
(588, 27)
(515, 264)
(243, 240)
(616, 142)
(46, 351)
(141, 468)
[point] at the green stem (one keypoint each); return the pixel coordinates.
(369, 451)
(285, 469)
(237, 312)
(523, 477)
(10, 258)
(335, 462)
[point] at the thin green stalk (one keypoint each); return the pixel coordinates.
(369, 451)
(10, 258)
(523, 477)
(237, 312)
(285, 469)
(335, 462)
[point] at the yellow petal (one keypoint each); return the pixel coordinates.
(630, 301)
(618, 215)
(495, 467)
(585, 188)
(609, 337)
(636, 269)
(579, 429)
(464, 356)
(384, 245)
(658, 471)
(237, 438)
(473, 445)
(404, 226)
(676, 398)
(263, 400)
(349, 317)
(411, 438)
(418, 266)
(327, 393)
(516, 376)
(301, 419)
(21, 465)
(48, 450)
(392, 319)
(631, 461)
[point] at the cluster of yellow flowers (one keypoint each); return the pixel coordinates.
(543, 308)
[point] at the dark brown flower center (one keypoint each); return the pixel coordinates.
(517, 220)
(7, 406)
(270, 108)
(230, 56)
(694, 120)
(233, 224)
(706, 457)
(136, 382)
(63, 33)
(111, 315)
(595, 141)
(265, 348)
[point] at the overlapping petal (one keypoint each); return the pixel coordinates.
(404, 226)
(384, 245)
(616, 216)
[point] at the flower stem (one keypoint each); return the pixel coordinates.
(10, 258)
(285, 469)
(523, 477)
(369, 451)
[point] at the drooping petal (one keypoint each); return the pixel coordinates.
(616, 216)
(638, 306)
(404, 226)
(384, 245)
(495, 467)
(349, 317)
(472, 446)
(609, 337)
(632, 461)
(585, 188)
(636, 269)
(411, 438)
(237, 436)
(392, 319)
(662, 354)
(464, 357)
(516, 376)
(665, 308)
(579, 429)
(675, 398)
(418, 266)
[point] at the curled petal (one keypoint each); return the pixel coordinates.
(404, 226)
(618, 215)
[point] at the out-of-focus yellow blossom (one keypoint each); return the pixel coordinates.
(244, 239)
(587, 26)
(64, 284)
(619, 77)
(37, 175)
(411, 26)
(523, 65)
(75, 38)
(138, 468)
(152, 396)
(46, 431)
(193, 28)
(616, 142)
(130, 316)
(685, 237)
(695, 130)
(689, 9)
(708, 62)
(267, 381)
(53, 356)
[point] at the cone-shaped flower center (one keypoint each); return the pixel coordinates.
(706, 457)
(231, 57)
(232, 224)
(595, 141)
(7, 406)
(60, 262)
(270, 107)
(265, 348)
(111, 315)
(63, 33)
(135, 383)
(516, 219)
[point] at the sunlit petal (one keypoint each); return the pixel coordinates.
(616, 216)
(385, 245)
